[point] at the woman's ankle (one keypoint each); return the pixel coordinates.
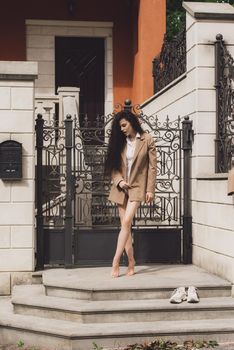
(115, 262)
(131, 261)
(131, 268)
(115, 270)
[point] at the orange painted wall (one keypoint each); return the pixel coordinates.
(151, 28)
(122, 55)
(134, 46)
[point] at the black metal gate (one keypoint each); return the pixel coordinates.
(77, 225)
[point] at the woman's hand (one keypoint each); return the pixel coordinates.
(149, 197)
(124, 185)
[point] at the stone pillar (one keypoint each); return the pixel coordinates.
(68, 102)
(17, 202)
(193, 94)
(203, 22)
(212, 209)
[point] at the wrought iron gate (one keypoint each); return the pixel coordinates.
(77, 225)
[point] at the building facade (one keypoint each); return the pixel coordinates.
(100, 51)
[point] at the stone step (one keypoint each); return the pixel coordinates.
(31, 300)
(122, 310)
(37, 277)
(126, 294)
(64, 335)
(149, 282)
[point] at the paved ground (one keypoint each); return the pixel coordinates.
(226, 346)
(155, 276)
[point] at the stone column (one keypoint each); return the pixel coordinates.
(212, 209)
(68, 102)
(193, 94)
(17, 202)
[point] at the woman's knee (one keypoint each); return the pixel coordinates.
(128, 246)
(126, 223)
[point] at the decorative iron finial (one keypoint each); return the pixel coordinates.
(127, 105)
(219, 37)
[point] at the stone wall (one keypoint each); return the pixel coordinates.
(194, 95)
(17, 212)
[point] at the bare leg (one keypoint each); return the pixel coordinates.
(131, 260)
(124, 235)
(115, 265)
(128, 246)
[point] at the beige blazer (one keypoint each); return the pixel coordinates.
(143, 172)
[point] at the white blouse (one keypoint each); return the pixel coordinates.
(131, 145)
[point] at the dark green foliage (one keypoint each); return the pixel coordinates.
(20, 344)
(161, 344)
(176, 15)
(175, 22)
(96, 346)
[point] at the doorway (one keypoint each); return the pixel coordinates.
(79, 62)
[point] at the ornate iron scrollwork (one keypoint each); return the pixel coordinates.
(171, 63)
(224, 106)
(90, 188)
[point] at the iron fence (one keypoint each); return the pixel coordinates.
(72, 190)
(224, 84)
(171, 63)
(87, 147)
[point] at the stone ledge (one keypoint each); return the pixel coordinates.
(18, 70)
(59, 23)
(10, 279)
(167, 87)
(213, 177)
(209, 11)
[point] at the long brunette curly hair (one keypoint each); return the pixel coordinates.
(117, 140)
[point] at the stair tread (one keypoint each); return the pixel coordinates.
(34, 296)
(121, 305)
(58, 317)
(74, 330)
(158, 277)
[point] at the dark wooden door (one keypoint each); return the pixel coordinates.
(79, 62)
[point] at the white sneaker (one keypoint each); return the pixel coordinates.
(192, 295)
(178, 295)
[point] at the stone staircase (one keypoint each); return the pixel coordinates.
(71, 309)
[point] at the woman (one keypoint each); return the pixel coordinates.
(131, 162)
